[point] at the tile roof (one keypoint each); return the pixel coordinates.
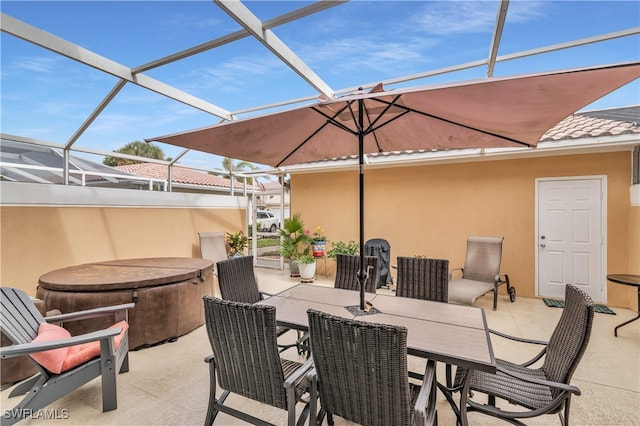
(179, 175)
(594, 124)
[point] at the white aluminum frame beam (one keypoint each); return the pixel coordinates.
(70, 50)
(250, 22)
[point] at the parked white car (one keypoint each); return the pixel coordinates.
(267, 221)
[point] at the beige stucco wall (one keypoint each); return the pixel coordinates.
(36, 239)
(431, 209)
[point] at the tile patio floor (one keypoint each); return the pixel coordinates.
(169, 384)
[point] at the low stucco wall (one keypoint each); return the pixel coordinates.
(431, 209)
(36, 239)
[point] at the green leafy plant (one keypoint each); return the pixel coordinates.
(294, 241)
(340, 247)
(304, 258)
(237, 243)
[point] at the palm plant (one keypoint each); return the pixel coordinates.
(294, 240)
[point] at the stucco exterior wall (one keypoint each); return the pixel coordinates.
(38, 239)
(431, 209)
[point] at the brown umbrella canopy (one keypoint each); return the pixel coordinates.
(492, 112)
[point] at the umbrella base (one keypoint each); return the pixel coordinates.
(356, 311)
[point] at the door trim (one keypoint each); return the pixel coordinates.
(603, 229)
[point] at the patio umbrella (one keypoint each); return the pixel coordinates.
(492, 112)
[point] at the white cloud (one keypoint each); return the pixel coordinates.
(40, 64)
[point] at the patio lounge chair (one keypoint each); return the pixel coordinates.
(481, 272)
(64, 363)
(212, 247)
(238, 283)
(382, 250)
(540, 390)
(347, 267)
(246, 360)
(360, 372)
(422, 278)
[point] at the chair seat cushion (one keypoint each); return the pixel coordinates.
(63, 359)
(466, 291)
(52, 359)
(79, 354)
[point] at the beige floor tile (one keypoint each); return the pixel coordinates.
(169, 384)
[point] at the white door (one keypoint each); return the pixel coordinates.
(570, 236)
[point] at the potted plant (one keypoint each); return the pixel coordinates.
(340, 247)
(318, 241)
(307, 265)
(293, 241)
(236, 243)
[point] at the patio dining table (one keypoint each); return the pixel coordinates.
(453, 334)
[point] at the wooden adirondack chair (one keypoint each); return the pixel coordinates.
(74, 360)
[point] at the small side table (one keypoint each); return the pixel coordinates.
(631, 280)
(324, 256)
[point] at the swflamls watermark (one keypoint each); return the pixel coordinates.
(41, 414)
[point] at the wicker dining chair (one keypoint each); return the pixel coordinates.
(360, 374)
(347, 267)
(246, 361)
(543, 389)
(423, 278)
(237, 281)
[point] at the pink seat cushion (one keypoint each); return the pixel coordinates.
(52, 359)
(79, 354)
(63, 359)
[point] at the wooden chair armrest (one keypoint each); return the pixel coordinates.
(28, 348)
(90, 313)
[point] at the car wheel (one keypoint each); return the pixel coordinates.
(273, 228)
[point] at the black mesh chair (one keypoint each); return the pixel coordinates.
(422, 278)
(381, 249)
(539, 390)
(360, 373)
(347, 267)
(246, 362)
(237, 281)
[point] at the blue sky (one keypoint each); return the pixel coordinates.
(45, 96)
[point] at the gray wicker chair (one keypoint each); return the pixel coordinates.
(481, 272)
(237, 281)
(347, 267)
(422, 278)
(543, 389)
(360, 374)
(20, 321)
(246, 362)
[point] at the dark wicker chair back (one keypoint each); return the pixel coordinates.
(246, 359)
(570, 337)
(347, 267)
(243, 339)
(422, 278)
(362, 371)
(237, 280)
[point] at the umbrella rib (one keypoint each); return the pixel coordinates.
(408, 109)
(330, 120)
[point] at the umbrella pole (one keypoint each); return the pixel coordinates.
(361, 273)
